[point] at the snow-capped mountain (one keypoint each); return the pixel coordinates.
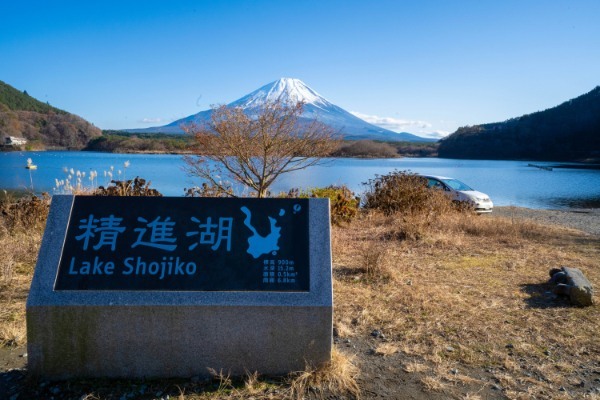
(315, 107)
(285, 89)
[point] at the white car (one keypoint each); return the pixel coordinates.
(461, 192)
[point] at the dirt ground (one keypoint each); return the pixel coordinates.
(381, 377)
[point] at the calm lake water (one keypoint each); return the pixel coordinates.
(506, 182)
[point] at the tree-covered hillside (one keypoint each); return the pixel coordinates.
(570, 131)
(42, 125)
(21, 101)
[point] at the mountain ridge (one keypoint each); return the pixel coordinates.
(569, 131)
(315, 107)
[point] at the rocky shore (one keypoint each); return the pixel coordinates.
(586, 220)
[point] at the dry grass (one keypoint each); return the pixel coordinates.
(20, 238)
(467, 294)
(386, 349)
(433, 383)
(336, 378)
(416, 367)
(475, 285)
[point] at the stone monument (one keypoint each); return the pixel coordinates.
(135, 287)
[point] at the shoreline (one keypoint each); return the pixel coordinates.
(583, 219)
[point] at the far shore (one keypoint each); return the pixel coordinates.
(593, 163)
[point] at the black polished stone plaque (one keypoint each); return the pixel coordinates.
(185, 244)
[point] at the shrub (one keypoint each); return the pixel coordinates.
(207, 190)
(376, 260)
(402, 191)
(135, 187)
(411, 205)
(26, 213)
(342, 202)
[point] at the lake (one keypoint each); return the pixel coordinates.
(506, 182)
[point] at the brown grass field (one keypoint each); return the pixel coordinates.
(445, 306)
(467, 306)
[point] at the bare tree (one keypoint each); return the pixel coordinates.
(254, 148)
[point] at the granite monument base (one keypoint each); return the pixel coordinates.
(167, 341)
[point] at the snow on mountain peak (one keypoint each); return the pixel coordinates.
(285, 89)
(317, 108)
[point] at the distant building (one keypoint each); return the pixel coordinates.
(14, 141)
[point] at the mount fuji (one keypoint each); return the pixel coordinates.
(315, 107)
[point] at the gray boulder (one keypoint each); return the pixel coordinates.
(572, 283)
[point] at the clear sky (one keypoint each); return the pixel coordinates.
(425, 67)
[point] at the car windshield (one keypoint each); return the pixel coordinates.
(456, 184)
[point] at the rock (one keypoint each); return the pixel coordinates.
(558, 276)
(572, 283)
(562, 289)
(582, 292)
(376, 333)
(449, 349)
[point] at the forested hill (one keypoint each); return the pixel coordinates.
(41, 124)
(568, 132)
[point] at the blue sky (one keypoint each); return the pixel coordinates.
(425, 67)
